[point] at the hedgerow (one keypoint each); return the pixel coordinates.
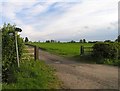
(9, 49)
(107, 53)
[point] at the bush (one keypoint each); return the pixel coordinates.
(9, 50)
(104, 51)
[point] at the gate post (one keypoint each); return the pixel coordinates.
(36, 53)
(81, 50)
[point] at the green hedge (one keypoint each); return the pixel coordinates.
(107, 52)
(9, 50)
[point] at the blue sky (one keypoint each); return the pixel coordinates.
(62, 20)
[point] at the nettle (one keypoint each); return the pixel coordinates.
(9, 49)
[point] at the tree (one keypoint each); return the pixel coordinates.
(52, 41)
(47, 41)
(72, 41)
(26, 39)
(81, 41)
(84, 41)
(107, 41)
(119, 38)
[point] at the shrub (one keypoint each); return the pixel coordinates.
(9, 50)
(104, 51)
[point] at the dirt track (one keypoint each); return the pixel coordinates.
(82, 76)
(76, 75)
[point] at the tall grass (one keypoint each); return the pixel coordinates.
(33, 75)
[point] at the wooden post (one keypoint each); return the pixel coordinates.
(81, 50)
(36, 53)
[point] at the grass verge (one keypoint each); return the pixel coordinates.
(32, 75)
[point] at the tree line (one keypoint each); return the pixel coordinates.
(73, 41)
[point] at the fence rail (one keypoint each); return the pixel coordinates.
(85, 50)
(36, 51)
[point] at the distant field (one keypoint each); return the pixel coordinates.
(72, 51)
(64, 49)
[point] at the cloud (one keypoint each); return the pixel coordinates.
(81, 15)
(41, 20)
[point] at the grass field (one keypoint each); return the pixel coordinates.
(72, 51)
(68, 50)
(63, 49)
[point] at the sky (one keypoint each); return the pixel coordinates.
(62, 20)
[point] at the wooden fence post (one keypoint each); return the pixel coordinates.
(36, 53)
(81, 50)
